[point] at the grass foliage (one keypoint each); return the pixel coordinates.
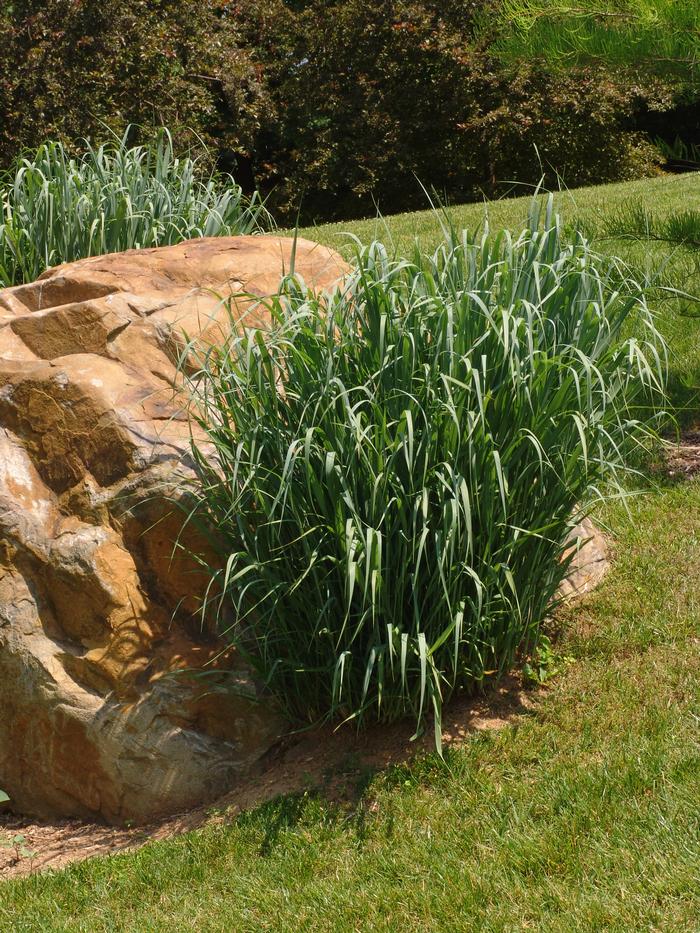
(57, 208)
(662, 36)
(636, 221)
(680, 152)
(393, 472)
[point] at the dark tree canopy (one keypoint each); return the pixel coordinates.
(333, 106)
(78, 68)
(368, 98)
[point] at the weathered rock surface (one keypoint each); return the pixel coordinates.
(589, 560)
(95, 615)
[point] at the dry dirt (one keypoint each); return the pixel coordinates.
(683, 458)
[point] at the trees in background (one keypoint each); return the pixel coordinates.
(331, 106)
(79, 68)
(370, 99)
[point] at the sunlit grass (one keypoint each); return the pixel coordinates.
(56, 207)
(397, 466)
(584, 815)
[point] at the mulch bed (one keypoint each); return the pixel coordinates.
(683, 458)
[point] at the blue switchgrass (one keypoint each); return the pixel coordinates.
(57, 208)
(393, 469)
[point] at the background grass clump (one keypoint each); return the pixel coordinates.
(397, 466)
(57, 208)
(635, 220)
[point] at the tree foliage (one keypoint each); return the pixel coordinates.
(80, 68)
(370, 98)
(333, 106)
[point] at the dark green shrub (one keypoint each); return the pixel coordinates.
(329, 106)
(70, 68)
(368, 98)
(392, 473)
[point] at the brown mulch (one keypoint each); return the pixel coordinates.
(682, 458)
(332, 761)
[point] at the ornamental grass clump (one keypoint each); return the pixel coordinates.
(634, 220)
(391, 472)
(57, 208)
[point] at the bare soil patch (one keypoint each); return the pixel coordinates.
(683, 458)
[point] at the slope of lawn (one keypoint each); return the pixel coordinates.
(582, 815)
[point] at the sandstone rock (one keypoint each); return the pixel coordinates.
(95, 615)
(589, 560)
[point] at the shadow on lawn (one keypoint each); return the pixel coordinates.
(332, 768)
(335, 768)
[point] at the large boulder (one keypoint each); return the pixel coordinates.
(97, 620)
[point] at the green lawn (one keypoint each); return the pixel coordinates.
(665, 193)
(584, 815)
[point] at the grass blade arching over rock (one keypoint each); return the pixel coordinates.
(393, 470)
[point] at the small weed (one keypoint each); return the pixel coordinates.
(544, 664)
(18, 842)
(634, 220)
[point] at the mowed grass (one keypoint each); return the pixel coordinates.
(663, 194)
(584, 814)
